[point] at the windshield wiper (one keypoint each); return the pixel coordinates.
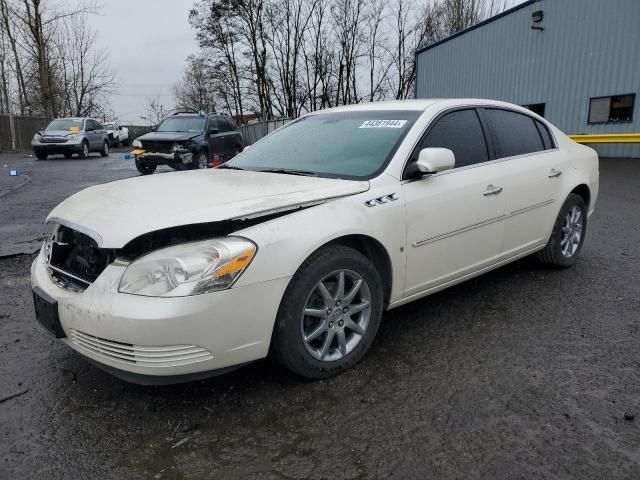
(229, 167)
(290, 171)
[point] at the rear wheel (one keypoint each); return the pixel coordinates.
(568, 234)
(68, 155)
(145, 168)
(105, 149)
(84, 150)
(330, 313)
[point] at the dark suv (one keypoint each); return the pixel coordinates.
(188, 140)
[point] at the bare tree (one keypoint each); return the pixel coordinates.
(460, 14)
(195, 90)
(82, 76)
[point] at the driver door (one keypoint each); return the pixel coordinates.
(455, 217)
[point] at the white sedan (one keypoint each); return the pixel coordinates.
(297, 246)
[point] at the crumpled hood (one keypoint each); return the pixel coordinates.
(168, 136)
(115, 213)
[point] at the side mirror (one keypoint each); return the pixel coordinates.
(213, 131)
(434, 160)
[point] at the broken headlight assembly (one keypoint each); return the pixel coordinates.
(189, 268)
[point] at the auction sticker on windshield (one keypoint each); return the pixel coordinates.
(383, 124)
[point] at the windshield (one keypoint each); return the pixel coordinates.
(344, 144)
(108, 126)
(182, 124)
(70, 124)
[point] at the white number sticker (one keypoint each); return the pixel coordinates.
(383, 124)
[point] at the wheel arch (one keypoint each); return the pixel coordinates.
(585, 192)
(375, 252)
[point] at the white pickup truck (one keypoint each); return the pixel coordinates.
(118, 135)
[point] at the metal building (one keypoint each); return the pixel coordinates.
(576, 62)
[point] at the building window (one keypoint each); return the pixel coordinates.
(614, 109)
(537, 108)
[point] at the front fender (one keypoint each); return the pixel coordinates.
(285, 242)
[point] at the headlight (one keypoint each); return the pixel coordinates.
(37, 136)
(136, 143)
(177, 147)
(189, 268)
(73, 136)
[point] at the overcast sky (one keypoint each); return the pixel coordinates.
(148, 42)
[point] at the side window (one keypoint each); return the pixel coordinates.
(460, 132)
(223, 126)
(232, 126)
(515, 133)
(547, 139)
(98, 125)
(214, 123)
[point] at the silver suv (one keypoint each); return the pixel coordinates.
(67, 136)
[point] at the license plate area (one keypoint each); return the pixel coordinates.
(47, 312)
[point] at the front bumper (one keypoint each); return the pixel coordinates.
(54, 148)
(166, 158)
(167, 340)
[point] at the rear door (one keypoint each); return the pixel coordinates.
(454, 218)
(532, 166)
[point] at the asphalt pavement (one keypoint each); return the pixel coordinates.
(525, 372)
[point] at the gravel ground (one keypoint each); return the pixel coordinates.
(525, 372)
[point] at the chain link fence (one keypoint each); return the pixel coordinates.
(17, 131)
(253, 132)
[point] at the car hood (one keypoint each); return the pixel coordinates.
(168, 136)
(115, 213)
(56, 133)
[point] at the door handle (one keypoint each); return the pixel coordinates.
(555, 173)
(491, 190)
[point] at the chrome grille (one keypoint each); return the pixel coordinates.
(146, 356)
(74, 259)
(157, 147)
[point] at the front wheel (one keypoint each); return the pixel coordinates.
(145, 168)
(200, 161)
(330, 313)
(41, 155)
(568, 234)
(105, 149)
(84, 150)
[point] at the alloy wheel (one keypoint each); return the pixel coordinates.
(571, 231)
(336, 315)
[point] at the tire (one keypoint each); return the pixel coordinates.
(105, 149)
(68, 155)
(145, 168)
(305, 357)
(564, 245)
(200, 161)
(84, 152)
(41, 155)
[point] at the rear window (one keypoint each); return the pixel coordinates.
(516, 134)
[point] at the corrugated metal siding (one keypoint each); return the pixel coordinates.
(589, 48)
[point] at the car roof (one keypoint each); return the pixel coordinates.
(421, 104)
